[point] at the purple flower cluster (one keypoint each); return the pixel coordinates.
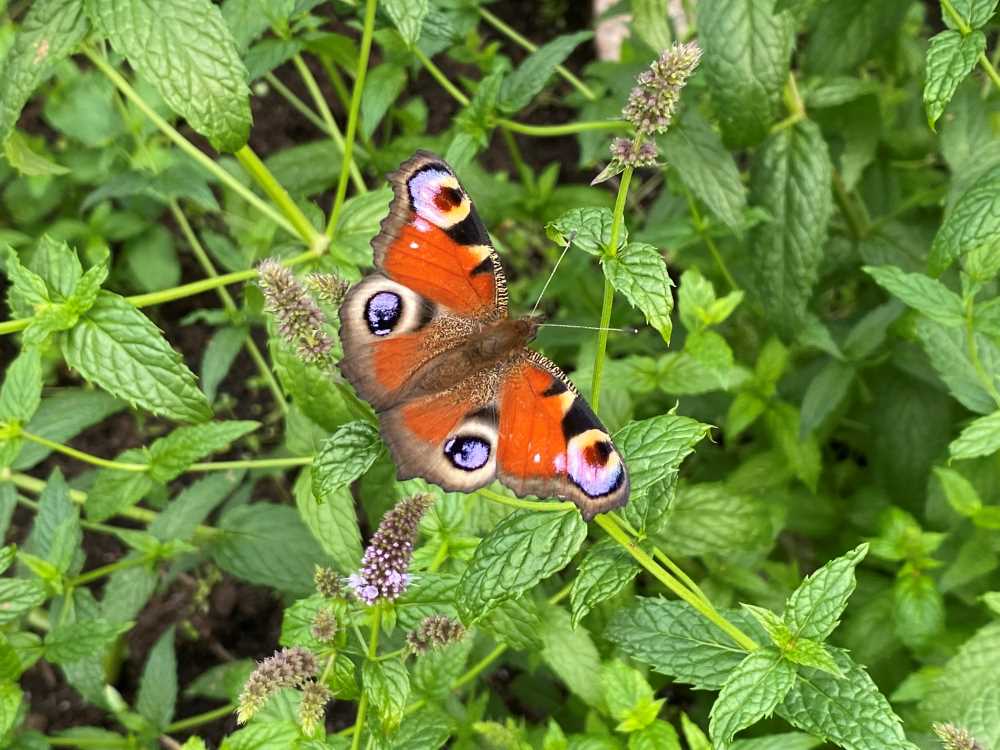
(955, 738)
(300, 321)
(290, 667)
(329, 287)
(383, 573)
(328, 582)
(435, 631)
(652, 102)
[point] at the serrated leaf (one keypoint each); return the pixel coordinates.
(521, 86)
(525, 548)
(188, 53)
(65, 644)
(589, 228)
(21, 392)
(387, 685)
(966, 674)
(848, 711)
(640, 274)
(50, 30)
(158, 685)
(515, 622)
(674, 639)
(814, 608)
(27, 161)
(747, 47)
(169, 456)
(114, 491)
(825, 394)
(982, 717)
(928, 296)
(959, 491)
(344, 456)
(218, 357)
(973, 221)
(572, 655)
(975, 12)
(790, 179)
(427, 729)
(332, 521)
(948, 351)
(628, 696)
(981, 437)
(18, 596)
(754, 689)
(951, 56)
(696, 153)
(56, 535)
(919, 609)
(29, 289)
(408, 17)
(649, 21)
(603, 573)
(426, 596)
(10, 704)
(383, 86)
(802, 453)
(709, 518)
(119, 348)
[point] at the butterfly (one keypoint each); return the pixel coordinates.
(429, 343)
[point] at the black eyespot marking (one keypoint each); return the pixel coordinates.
(382, 312)
(556, 388)
(467, 452)
(578, 419)
(447, 198)
(469, 231)
(485, 266)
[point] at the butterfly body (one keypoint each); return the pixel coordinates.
(429, 343)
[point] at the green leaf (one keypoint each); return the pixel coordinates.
(809, 653)
(801, 453)
(709, 518)
(50, 30)
(264, 735)
(696, 738)
(919, 609)
(790, 179)
(219, 355)
(657, 736)
(922, 293)
(18, 596)
(521, 86)
(26, 161)
(965, 676)
(158, 686)
(408, 17)
(981, 437)
(170, 456)
(65, 644)
(571, 654)
(948, 351)
(982, 717)
(252, 533)
(119, 348)
(383, 86)
(849, 711)
(115, 491)
(754, 689)
(29, 289)
(696, 153)
(325, 402)
(814, 608)
(975, 12)
(950, 58)
(640, 274)
(674, 639)
(56, 535)
(525, 548)
(747, 47)
(589, 228)
(516, 622)
(10, 704)
(345, 456)
(603, 573)
(973, 221)
(332, 521)
(844, 33)
(786, 741)
(427, 729)
(825, 394)
(649, 21)
(629, 697)
(205, 82)
(21, 392)
(387, 685)
(961, 495)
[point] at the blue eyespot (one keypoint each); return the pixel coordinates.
(382, 312)
(467, 453)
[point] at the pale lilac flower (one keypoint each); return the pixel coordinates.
(290, 667)
(300, 321)
(652, 102)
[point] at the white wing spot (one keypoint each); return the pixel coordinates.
(414, 245)
(537, 458)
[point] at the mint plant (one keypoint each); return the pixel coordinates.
(789, 206)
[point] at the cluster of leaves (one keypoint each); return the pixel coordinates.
(829, 210)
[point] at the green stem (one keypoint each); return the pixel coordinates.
(611, 251)
(227, 302)
(503, 28)
(569, 128)
(106, 570)
(702, 229)
(85, 457)
(966, 29)
(359, 722)
(440, 77)
(257, 463)
(298, 105)
(973, 349)
(331, 125)
(199, 719)
(185, 145)
(513, 502)
(315, 239)
(352, 116)
(515, 155)
(613, 530)
(854, 213)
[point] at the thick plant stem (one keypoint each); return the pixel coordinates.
(85, 457)
(372, 654)
(353, 116)
(514, 502)
(199, 719)
(569, 128)
(611, 251)
(613, 530)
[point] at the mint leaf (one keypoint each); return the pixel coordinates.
(966, 674)
(49, 32)
(605, 570)
(928, 296)
(973, 221)
(950, 58)
(674, 639)
(205, 82)
(628, 696)
(809, 653)
(814, 608)
(218, 357)
(919, 609)
(982, 717)
(655, 447)
(327, 403)
(21, 392)
(170, 456)
(848, 711)
(408, 17)
(114, 491)
(56, 535)
(786, 741)
(18, 596)
(754, 689)
(516, 622)
(117, 347)
(709, 518)
(26, 160)
(589, 228)
(332, 521)
(747, 48)
(948, 351)
(571, 654)
(29, 290)
(696, 153)
(521, 86)
(975, 12)
(343, 457)
(981, 437)
(11, 696)
(790, 179)
(158, 686)
(383, 86)
(387, 684)
(825, 394)
(65, 644)
(958, 490)
(640, 274)
(525, 548)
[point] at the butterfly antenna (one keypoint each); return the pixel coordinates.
(569, 243)
(632, 331)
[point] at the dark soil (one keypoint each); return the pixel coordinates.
(234, 620)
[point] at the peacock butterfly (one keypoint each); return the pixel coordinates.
(429, 343)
